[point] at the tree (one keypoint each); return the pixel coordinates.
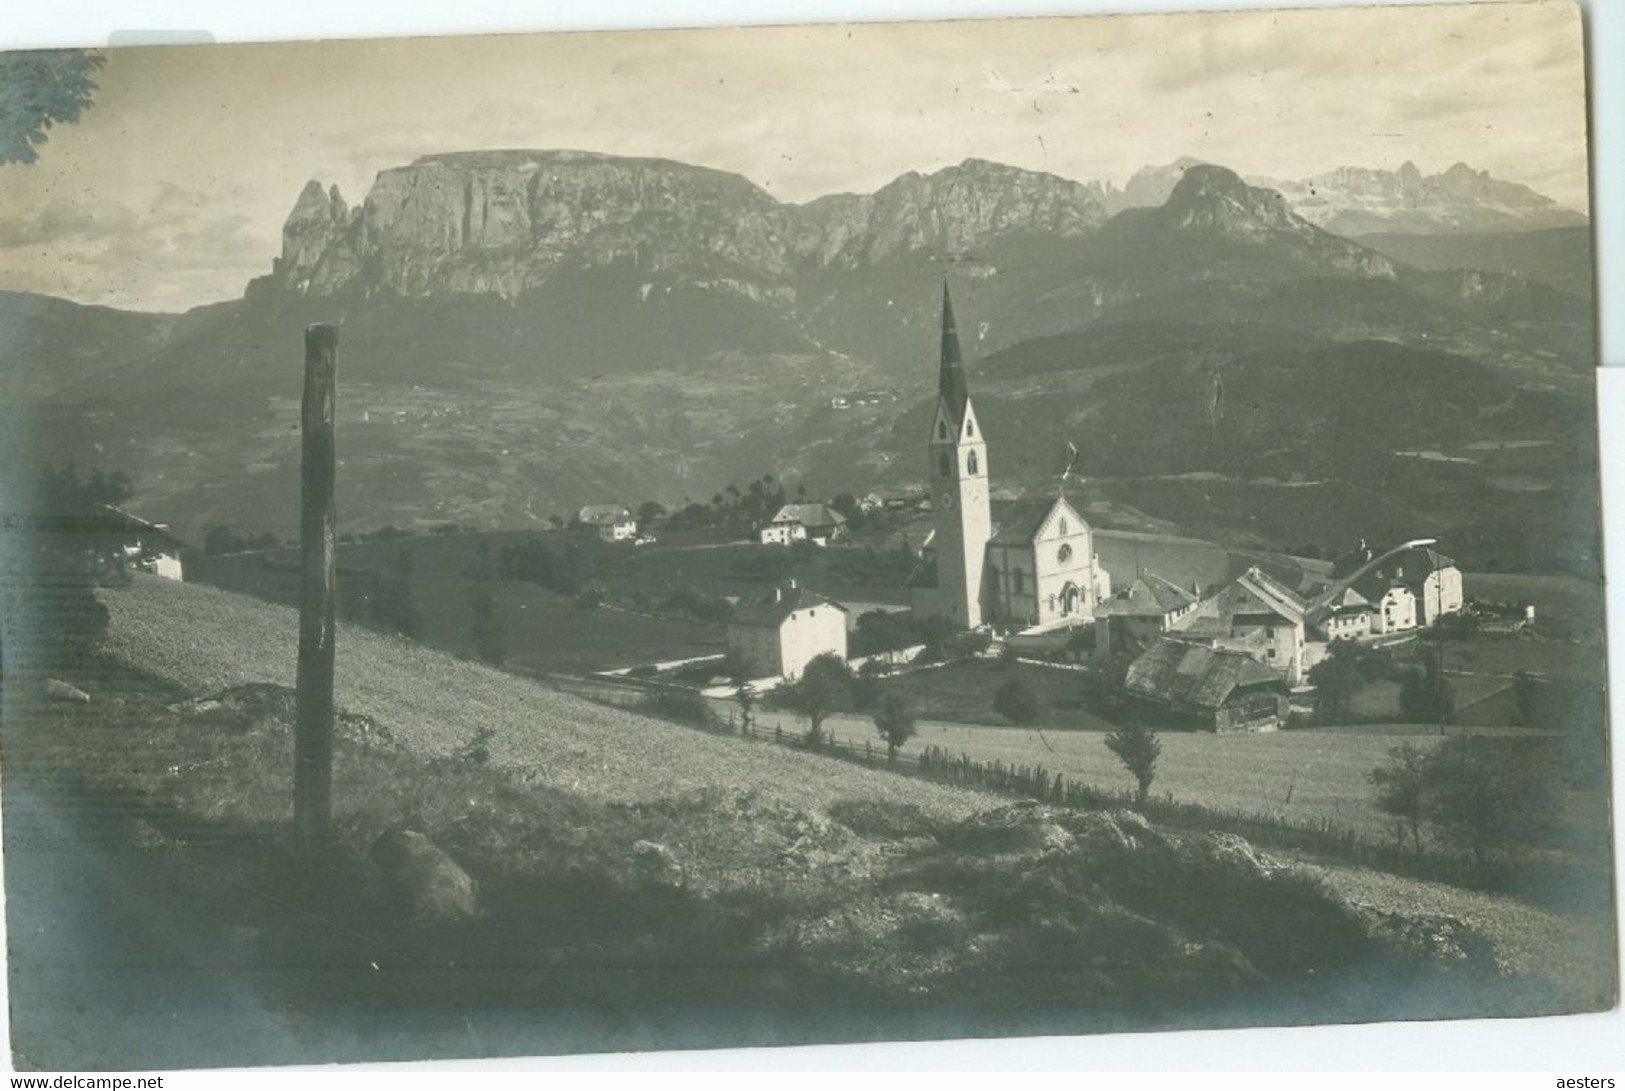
(1016, 702)
(1336, 679)
(220, 539)
(1491, 796)
(825, 686)
(41, 88)
(895, 721)
(485, 628)
(1402, 791)
(650, 512)
(1138, 748)
(589, 598)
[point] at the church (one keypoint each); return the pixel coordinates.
(1035, 568)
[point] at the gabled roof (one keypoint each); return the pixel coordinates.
(1177, 672)
(604, 513)
(1018, 522)
(810, 515)
(1253, 592)
(1417, 564)
(773, 610)
(1345, 603)
(1149, 595)
(1376, 584)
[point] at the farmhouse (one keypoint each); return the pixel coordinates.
(779, 635)
(1434, 581)
(1130, 620)
(1347, 615)
(147, 546)
(1214, 689)
(1256, 615)
(888, 499)
(1393, 605)
(1035, 568)
(818, 523)
(613, 522)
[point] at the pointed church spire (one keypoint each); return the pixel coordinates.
(951, 382)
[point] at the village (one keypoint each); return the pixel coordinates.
(740, 596)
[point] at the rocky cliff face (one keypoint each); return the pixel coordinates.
(1212, 206)
(951, 212)
(505, 222)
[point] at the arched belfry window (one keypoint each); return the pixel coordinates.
(971, 464)
(970, 427)
(942, 429)
(944, 466)
(1063, 528)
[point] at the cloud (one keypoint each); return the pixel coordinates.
(62, 221)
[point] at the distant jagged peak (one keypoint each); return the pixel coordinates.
(1208, 195)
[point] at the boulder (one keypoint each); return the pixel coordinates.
(58, 690)
(656, 864)
(428, 885)
(1020, 828)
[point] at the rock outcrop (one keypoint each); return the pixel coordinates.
(504, 222)
(1363, 200)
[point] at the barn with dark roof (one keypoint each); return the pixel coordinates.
(1213, 689)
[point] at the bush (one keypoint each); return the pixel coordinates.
(1492, 796)
(825, 686)
(685, 706)
(589, 598)
(894, 719)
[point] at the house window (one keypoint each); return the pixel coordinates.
(970, 464)
(945, 467)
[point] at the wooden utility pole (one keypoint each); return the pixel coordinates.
(313, 737)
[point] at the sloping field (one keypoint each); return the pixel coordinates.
(206, 640)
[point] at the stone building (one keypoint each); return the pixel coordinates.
(777, 636)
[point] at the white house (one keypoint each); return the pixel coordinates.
(1433, 579)
(1347, 615)
(794, 522)
(613, 522)
(780, 634)
(1393, 606)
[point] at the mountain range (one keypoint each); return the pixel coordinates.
(527, 331)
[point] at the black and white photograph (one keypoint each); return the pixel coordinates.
(589, 542)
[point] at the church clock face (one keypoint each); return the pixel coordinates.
(946, 499)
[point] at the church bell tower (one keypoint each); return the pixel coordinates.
(959, 495)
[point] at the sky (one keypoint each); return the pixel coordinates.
(172, 190)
